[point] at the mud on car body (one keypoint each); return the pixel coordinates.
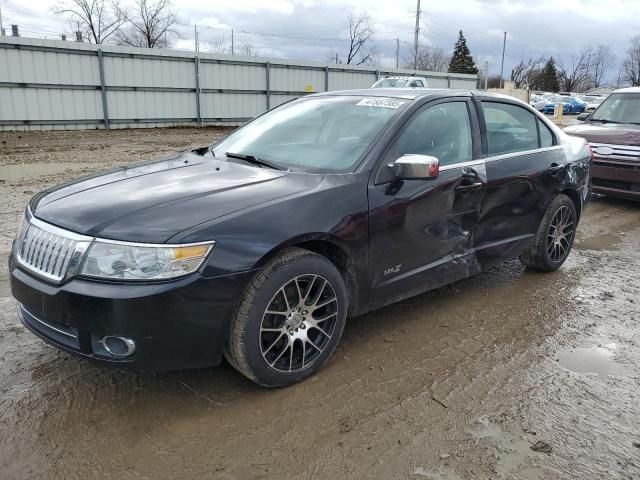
(259, 247)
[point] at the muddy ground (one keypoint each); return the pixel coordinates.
(458, 383)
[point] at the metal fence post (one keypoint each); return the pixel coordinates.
(103, 89)
(448, 81)
(267, 69)
(198, 114)
(326, 78)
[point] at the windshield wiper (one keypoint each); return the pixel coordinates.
(253, 159)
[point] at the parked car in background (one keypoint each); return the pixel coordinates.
(401, 82)
(258, 247)
(613, 132)
(538, 102)
(570, 105)
(593, 102)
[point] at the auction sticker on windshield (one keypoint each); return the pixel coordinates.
(381, 102)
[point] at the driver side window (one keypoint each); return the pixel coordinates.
(442, 131)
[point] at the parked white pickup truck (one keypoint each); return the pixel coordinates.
(401, 82)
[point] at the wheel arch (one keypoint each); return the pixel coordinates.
(332, 249)
(575, 198)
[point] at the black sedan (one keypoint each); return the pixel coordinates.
(259, 247)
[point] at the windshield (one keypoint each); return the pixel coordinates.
(390, 83)
(316, 134)
(619, 108)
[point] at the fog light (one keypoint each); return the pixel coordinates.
(118, 346)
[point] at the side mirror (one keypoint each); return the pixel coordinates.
(583, 117)
(416, 167)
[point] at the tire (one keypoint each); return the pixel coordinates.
(290, 320)
(552, 242)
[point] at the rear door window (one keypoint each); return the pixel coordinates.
(510, 128)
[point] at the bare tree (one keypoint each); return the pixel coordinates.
(97, 20)
(148, 24)
(361, 33)
(573, 72)
(631, 65)
(218, 45)
(600, 63)
(431, 59)
(246, 48)
(522, 73)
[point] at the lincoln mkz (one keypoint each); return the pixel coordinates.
(259, 247)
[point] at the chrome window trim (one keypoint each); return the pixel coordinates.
(521, 153)
(471, 163)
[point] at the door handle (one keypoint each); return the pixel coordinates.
(555, 169)
(469, 188)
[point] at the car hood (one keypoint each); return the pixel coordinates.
(151, 202)
(615, 134)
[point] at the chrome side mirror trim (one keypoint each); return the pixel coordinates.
(416, 167)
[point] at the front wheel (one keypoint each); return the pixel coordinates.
(554, 239)
(290, 320)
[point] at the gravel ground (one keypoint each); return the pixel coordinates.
(508, 375)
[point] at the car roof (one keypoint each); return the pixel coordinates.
(628, 90)
(406, 93)
(415, 93)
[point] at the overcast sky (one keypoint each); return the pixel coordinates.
(316, 29)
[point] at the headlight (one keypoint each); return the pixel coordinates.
(122, 261)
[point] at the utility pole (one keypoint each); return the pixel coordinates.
(415, 38)
(336, 58)
(486, 75)
(232, 41)
(504, 46)
(1, 25)
(397, 53)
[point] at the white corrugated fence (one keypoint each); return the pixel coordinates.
(48, 84)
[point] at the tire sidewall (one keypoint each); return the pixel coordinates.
(559, 202)
(307, 265)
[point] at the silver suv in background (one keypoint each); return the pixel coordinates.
(401, 82)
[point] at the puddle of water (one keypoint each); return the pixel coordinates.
(511, 449)
(598, 360)
(13, 173)
(607, 241)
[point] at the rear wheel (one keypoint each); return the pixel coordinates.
(290, 320)
(554, 239)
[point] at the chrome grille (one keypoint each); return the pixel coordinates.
(616, 152)
(49, 251)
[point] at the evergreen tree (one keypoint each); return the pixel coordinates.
(547, 78)
(461, 60)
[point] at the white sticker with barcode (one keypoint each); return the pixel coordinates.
(381, 102)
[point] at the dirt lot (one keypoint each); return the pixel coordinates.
(458, 383)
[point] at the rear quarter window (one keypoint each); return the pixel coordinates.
(546, 136)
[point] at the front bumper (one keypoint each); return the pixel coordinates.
(616, 178)
(175, 325)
